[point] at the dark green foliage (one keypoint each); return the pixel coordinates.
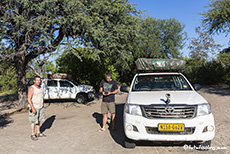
(83, 68)
(224, 59)
(29, 28)
(216, 19)
(85, 71)
(206, 73)
(47, 67)
(159, 38)
(8, 83)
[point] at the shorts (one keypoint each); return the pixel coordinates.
(39, 116)
(107, 106)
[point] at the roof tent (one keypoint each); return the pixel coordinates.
(147, 64)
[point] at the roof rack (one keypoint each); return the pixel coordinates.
(59, 76)
(148, 64)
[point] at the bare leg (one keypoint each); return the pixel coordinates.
(105, 117)
(38, 127)
(32, 128)
(113, 120)
(33, 136)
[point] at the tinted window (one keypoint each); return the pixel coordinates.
(160, 82)
(52, 83)
(65, 84)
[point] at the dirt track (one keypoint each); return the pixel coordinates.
(73, 128)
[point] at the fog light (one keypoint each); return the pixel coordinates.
(129, 127)
(210, 128)
(135, 129)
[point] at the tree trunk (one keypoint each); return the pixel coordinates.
(21, 81)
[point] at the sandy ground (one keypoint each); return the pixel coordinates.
(73, 128)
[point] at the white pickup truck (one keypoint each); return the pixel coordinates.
(164, 106)
(65, 89)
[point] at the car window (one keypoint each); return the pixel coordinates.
(160, 82)
(65, 84)
(52, 83)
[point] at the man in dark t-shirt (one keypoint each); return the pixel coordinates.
(108, 88)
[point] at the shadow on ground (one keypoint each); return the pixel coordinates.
(8, 97)
(98, 118)
(5, 120)
(60, 101)
(8, 102)
(48, 123)
(63, 102)
(118, 134)
(67, 102)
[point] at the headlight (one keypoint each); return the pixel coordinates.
(90, 89)
(203, 109)
(133, 109)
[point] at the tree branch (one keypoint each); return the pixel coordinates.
(39, 51)
(58, 40)
(33, 69)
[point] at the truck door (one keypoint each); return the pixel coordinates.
(53, 90)
(66, 89)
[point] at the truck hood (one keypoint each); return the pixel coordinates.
(158, 97)
(85, 88)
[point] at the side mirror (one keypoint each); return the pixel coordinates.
(124, 89)
(197, 86)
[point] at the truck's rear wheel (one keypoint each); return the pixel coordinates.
(81, 98)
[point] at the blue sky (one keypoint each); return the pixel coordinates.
(185, 11)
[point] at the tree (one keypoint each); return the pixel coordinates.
(8, 83)
(83, 67)
(30, 28)
(156, 38)
(159, 38)
(41, 65)
(203, 47)
(224, 57)
(216, 19)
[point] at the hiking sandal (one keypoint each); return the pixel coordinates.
(34, 137)
(41, 135)
(101, 130)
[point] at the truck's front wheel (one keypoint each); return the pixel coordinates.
(204, 146)
(130, 144)
(81, 98)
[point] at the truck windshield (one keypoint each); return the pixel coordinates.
(160, 82)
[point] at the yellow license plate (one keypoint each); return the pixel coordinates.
(171, 127)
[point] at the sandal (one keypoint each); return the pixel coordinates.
(101, 129)
(41, 135)
(34, 137)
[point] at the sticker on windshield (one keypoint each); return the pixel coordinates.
(185, 86)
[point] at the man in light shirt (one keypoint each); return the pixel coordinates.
(36, 108)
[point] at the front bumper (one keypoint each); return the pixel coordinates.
(141, 128)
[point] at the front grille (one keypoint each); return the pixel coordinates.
(169, 112)
(154, 130)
